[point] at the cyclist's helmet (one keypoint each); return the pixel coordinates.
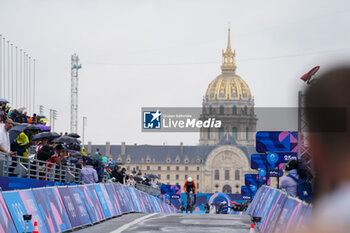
(189, 179)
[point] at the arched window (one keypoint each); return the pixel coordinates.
(245, 110)
(234, 110)
(234, 132)
(210, 110)
(247, 133)
(227, 189)
(222, 112)
(216, 175)
(208, 133)
(227, 174)
(237, 175)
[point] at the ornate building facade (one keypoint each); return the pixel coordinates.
(221, 159)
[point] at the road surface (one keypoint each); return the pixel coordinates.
(172, 223)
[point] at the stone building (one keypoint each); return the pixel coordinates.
(222, 157)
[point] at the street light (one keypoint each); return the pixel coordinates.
(84, 123)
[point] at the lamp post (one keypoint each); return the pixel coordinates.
(84, 124)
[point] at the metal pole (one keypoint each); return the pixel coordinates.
(17, 105)
(34, 85)
(20, 79)
(24, 80)
(4, 74)
(8, 69)
(29, 87)
(1, 93)
(300, 96)
(84, 119)
(12, 86)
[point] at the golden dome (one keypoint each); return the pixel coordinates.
(228, 85)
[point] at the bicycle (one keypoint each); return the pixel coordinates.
(190, 203)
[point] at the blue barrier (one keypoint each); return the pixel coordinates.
(278, 211)
(58, 209)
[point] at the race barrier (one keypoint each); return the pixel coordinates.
(63, 208)
(278, 211)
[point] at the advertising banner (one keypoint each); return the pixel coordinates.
(52, 209)
(17, 209)
(133, 196)
(128, 200)
(114, 198)
(32, 208)
(108, 200)
(93, 204)
(289, 217)
(103, 201)
(119, 197)
(80, 200)
(276, 141)
(6, 223)
(76, 210)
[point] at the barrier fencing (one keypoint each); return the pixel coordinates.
(20, 166)
(279, 212)
(63, 208)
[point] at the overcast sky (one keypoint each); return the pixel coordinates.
(140, 53)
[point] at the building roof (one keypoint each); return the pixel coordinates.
(166, 154)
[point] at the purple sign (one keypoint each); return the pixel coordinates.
(114, 198)
(93, 203)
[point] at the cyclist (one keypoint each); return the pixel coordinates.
(189, 186)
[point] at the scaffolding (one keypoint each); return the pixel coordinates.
(75, 66)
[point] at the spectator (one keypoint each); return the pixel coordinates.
(88, 173)
(20, 146)
(289, 182)
(80, 164)
(124, 175)
(131, 182)
(116, 173)
(327, 111)
(97, 155)
(206, 208)
(5, 144)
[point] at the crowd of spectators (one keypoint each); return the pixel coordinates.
(18, 115)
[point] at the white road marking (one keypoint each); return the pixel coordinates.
(126, 226)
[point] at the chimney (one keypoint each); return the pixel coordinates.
(123, 149)
(89, 150)
(181, 148)
(108, 149)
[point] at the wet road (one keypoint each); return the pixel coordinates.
(173, 223)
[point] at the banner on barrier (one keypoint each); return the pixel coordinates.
(6, 223)
(52, 208)
(92, 203)
(75, 207)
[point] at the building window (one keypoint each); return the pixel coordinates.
(210, 110)
(247, 133)
(168, 183)
(159, 168)
(168, 168)
(159, 176)
(148, 168)
(216, 175)
(197, 185)
(197, 177)
(177, 177)
(177, 168)
(245, 111)
(227, 174)
(186, 176)
(128, 168)
(197, 168)
(221, 133)
(222, 112)
(168, 177)
(137, 167)
(208, 133)
(177, 183)
(237, 175)
(234, 132)
(234, 110)
(186, 168)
